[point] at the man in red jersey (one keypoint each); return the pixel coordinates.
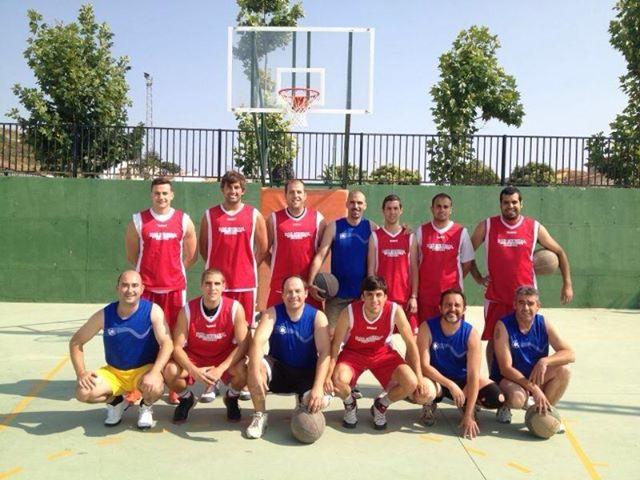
(233, 239)
(210, 341)
(364, 332)
(445, 255)
(510, 239)
(393, 255)
(293, 236)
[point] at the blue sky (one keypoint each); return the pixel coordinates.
(558, 51)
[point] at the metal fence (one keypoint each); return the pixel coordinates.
(316, 157)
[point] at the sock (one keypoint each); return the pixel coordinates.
(349, 400)
(184, 394)
(116, 400)
(383, 401)
(232, 392)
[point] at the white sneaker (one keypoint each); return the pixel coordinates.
(379, 415)
(530, 402)
(326, 400)
(504, 414)
(145, 416)
(561, 428)
(258, 425)
(428, 415)
(115, 412)
(350, 417)
(209, 395)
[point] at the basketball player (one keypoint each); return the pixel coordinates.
(293, 236)
(233, 239)
(364, 333)
(445, 256)
(509, 240)
(450, 356)
(210, 342)
(161, 243)
(137, 346)
(298, 359)
(522, 363)
(348, 240)
(393, 255)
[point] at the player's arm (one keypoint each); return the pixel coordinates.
(466, 253)
(319, 257)
(469, 425)
(190, 245)
(477, 238)
(180, 335)
(563, 355)
(85, 378)
(260, 337)
(548, 242)
(413, 357)
(342, 327)
(203, 238)
(260, 240)
(270, 239)
(132, 244)
(413, 269)
(323, 346)
(152, 380)
(240, 331)
(372, 264)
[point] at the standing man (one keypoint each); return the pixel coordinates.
(210, 341)
(298, 359)
(233, 239)
(362, 342)
(450, 356)
(348, 240)
(393, 255)
(445, 256)
(161, 243)
(523, 365)
(509, 241)
(293, 237)
(137, 346)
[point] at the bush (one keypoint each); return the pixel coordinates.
(332, 174)
(386, 174)
(537, 174)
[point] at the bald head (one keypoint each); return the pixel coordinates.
(128, 276)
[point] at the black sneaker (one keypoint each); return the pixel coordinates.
(233, 411)
(181, 412)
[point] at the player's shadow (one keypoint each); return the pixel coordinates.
(62, 390)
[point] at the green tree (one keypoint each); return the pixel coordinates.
(618, 158)
(472, 87)
(81, 87)
(386, 174)
(533, 174)
(332, 174)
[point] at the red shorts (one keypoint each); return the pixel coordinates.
(413, 322)
(247, 299)
(381, 363)
(275, 298)
(426, 312)
(169, 302)
(493, 311)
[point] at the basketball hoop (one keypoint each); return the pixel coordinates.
(298, 100)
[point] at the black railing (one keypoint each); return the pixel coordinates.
(316, 157)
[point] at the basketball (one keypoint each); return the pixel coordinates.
(542, 426)
(328, 283)
(307, 427)
(545, 262)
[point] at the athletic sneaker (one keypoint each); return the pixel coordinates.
(378, 412)
(258, 425)
(357, 394)
(245, 395)
(209, 395)
(350, 417)
(504, 414)
(115, 410)
(561, 428)
(428, 415)
(530, 402)
(233, 411)
(145, 416)
(181, 412)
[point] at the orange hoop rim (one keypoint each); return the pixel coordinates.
(299, 98)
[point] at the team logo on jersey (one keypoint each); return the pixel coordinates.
(282, 330)
(231, 230)
(393, 252)
(297, 235)
(435, 345)
(111, 332)
(511, 242)
(515, 344)
(210, 337)
(163, 235)
(369, 339)
(439, 247)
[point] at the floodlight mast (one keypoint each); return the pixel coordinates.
(149, 112)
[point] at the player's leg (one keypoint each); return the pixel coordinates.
(178, 380)
(556, 382)
(489, 394)
(236, 379)
(515, 397)
(346, 373)
(258, 381)
(108, 389)
(430, 404)
(493, 311)
(150, 393)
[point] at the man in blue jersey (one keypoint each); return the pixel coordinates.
(298, 358)
(137, 346)
(450, 356)
(522, 363)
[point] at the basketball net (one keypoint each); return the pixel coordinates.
(297, 101)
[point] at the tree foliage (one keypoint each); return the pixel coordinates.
(332, 174)
(472, 87)
(390, 174)
(533, 174)
(619, 158)
(80, 84)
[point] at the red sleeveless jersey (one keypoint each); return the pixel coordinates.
(393, 263)
(440, 267)
(160, 249)
(230, 245)
(369, 336)
(509, 250)
(294, 244)
(210, 340)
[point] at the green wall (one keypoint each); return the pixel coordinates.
(63, 239)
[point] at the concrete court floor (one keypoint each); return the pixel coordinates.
(45, 433)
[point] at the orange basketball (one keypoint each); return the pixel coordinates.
(545, 262)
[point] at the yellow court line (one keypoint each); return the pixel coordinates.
(109, 441)
(476, 452)
(600, 464)
(63, 453)
(431, 437)
(517, 466)
(37, 388)
(588, 464)
(8, 473)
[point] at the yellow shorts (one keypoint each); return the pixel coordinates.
(123, 381)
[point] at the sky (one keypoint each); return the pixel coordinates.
(558, 51)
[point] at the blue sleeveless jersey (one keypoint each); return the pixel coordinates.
(349, 256)
(526, 348)
(449, 354)
(293, 343)
(129, 343)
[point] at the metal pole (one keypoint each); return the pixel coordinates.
(347, 119)
(504, 160)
